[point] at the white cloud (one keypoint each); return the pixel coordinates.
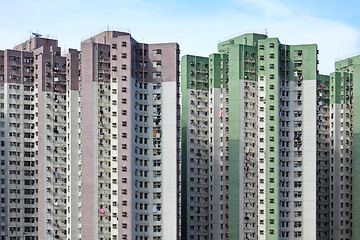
(335, 39)
(197, 30)
(268, 8)
(296, 26)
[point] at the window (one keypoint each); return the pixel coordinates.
(156, 74)
(297, 184)
(297, 53)
(156, 64)
(156, 52)
(297, 63)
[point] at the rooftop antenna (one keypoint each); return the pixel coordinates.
(36, 34)
(266, 31)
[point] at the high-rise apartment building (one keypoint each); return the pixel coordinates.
(90, 140)
(18, 128)
(129, 138)
(345, 150)
(267, 143)
(34, 83)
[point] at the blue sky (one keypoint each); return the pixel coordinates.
(197, 25)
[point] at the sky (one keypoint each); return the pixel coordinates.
(197, 25)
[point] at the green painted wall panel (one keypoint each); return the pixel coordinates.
(234, 125)
(215, 70)
(323, 91)
(249, 39)
(184, 89)
(271, 46)
(352, 65)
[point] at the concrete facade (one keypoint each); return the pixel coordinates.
(90, 144)
(283, 149)
(130, 138)
(34, 83)
(90, 140)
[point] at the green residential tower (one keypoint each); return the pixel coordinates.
(267, 143)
